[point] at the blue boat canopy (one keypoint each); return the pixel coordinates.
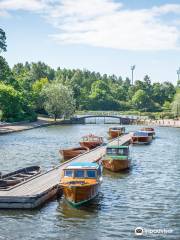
(141, 134)
(82, 165)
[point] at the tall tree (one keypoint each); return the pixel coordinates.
(58, 100)
(3, 46)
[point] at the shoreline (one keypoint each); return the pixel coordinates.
(160, 123)
(24, 126)
(44, 122)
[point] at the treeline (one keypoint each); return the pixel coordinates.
(32, 88)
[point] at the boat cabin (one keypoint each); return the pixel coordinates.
(83, 170)
(117, 150)
(92, 138)
(122, 129)
(140, 134)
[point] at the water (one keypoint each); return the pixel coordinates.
(147, 196)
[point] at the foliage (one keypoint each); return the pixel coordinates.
(2, 40)
(176, 104)
(58, 100)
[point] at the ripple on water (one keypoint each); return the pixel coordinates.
(147, 195)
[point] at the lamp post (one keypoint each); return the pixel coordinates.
(132, 69)
(178, 73)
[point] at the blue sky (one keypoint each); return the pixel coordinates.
(100, 35)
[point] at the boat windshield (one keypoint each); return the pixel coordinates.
(91, 173)
(117, 151)
(68, 173)
(79, 173)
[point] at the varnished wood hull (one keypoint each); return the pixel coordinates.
(141, 140)
(90, 145)
(78, 195)
(116, 165)
(74, 152)
(114, 134)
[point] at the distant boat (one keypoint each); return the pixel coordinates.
(91, 141)
(141, 137)
(116, 132)
(81, 182)
(73, 152)
(116, 158)
(150, 131)
(13, 178)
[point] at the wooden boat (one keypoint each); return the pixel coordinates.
(91, 141)
(116, 158)
(81, 182)
(141, 137)
(13, 178)
(149, 130)
(116, 132)
(73, 152)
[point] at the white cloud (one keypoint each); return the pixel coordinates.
(106, 23)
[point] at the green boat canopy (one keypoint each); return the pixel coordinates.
(118, 147)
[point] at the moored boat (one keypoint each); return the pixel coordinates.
(16, 177)
(116, 158)
(81, 182)
(149, 130)
(91, 141)
(116, 132)
(73, 152)
(141, 137)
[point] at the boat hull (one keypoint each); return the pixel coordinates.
(16, 177)
(116, 165)
(74, 152)
(141, 140)
(114, 134)
(78, 195)
(90, 145)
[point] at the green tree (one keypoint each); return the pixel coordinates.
(36, 93)
(58, 100)
(141, 101)
(176, 104)
(10, 102)
(3, 45)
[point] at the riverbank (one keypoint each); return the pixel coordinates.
(160, 123)
(22, 126)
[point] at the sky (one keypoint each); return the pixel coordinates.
(107, 36)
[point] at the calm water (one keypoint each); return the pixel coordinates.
(147, 196)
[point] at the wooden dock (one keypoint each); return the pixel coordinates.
(43, 187)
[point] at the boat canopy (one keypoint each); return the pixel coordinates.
(81, 165)
(141, 134)
(119, 147)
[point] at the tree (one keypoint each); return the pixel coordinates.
(3, 45)
(176, 104)
(36, 93)
(10, 102)
(141, 101)
(58, 100)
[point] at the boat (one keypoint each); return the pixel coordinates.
(91, 141)
(141, 137)
(115, 132)
(81, 182)
(16, 177)
(116, 158)
(149, 130)
(73, 152)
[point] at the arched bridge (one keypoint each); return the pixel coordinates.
(82, 119)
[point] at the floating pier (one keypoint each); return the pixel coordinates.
(33, 193)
